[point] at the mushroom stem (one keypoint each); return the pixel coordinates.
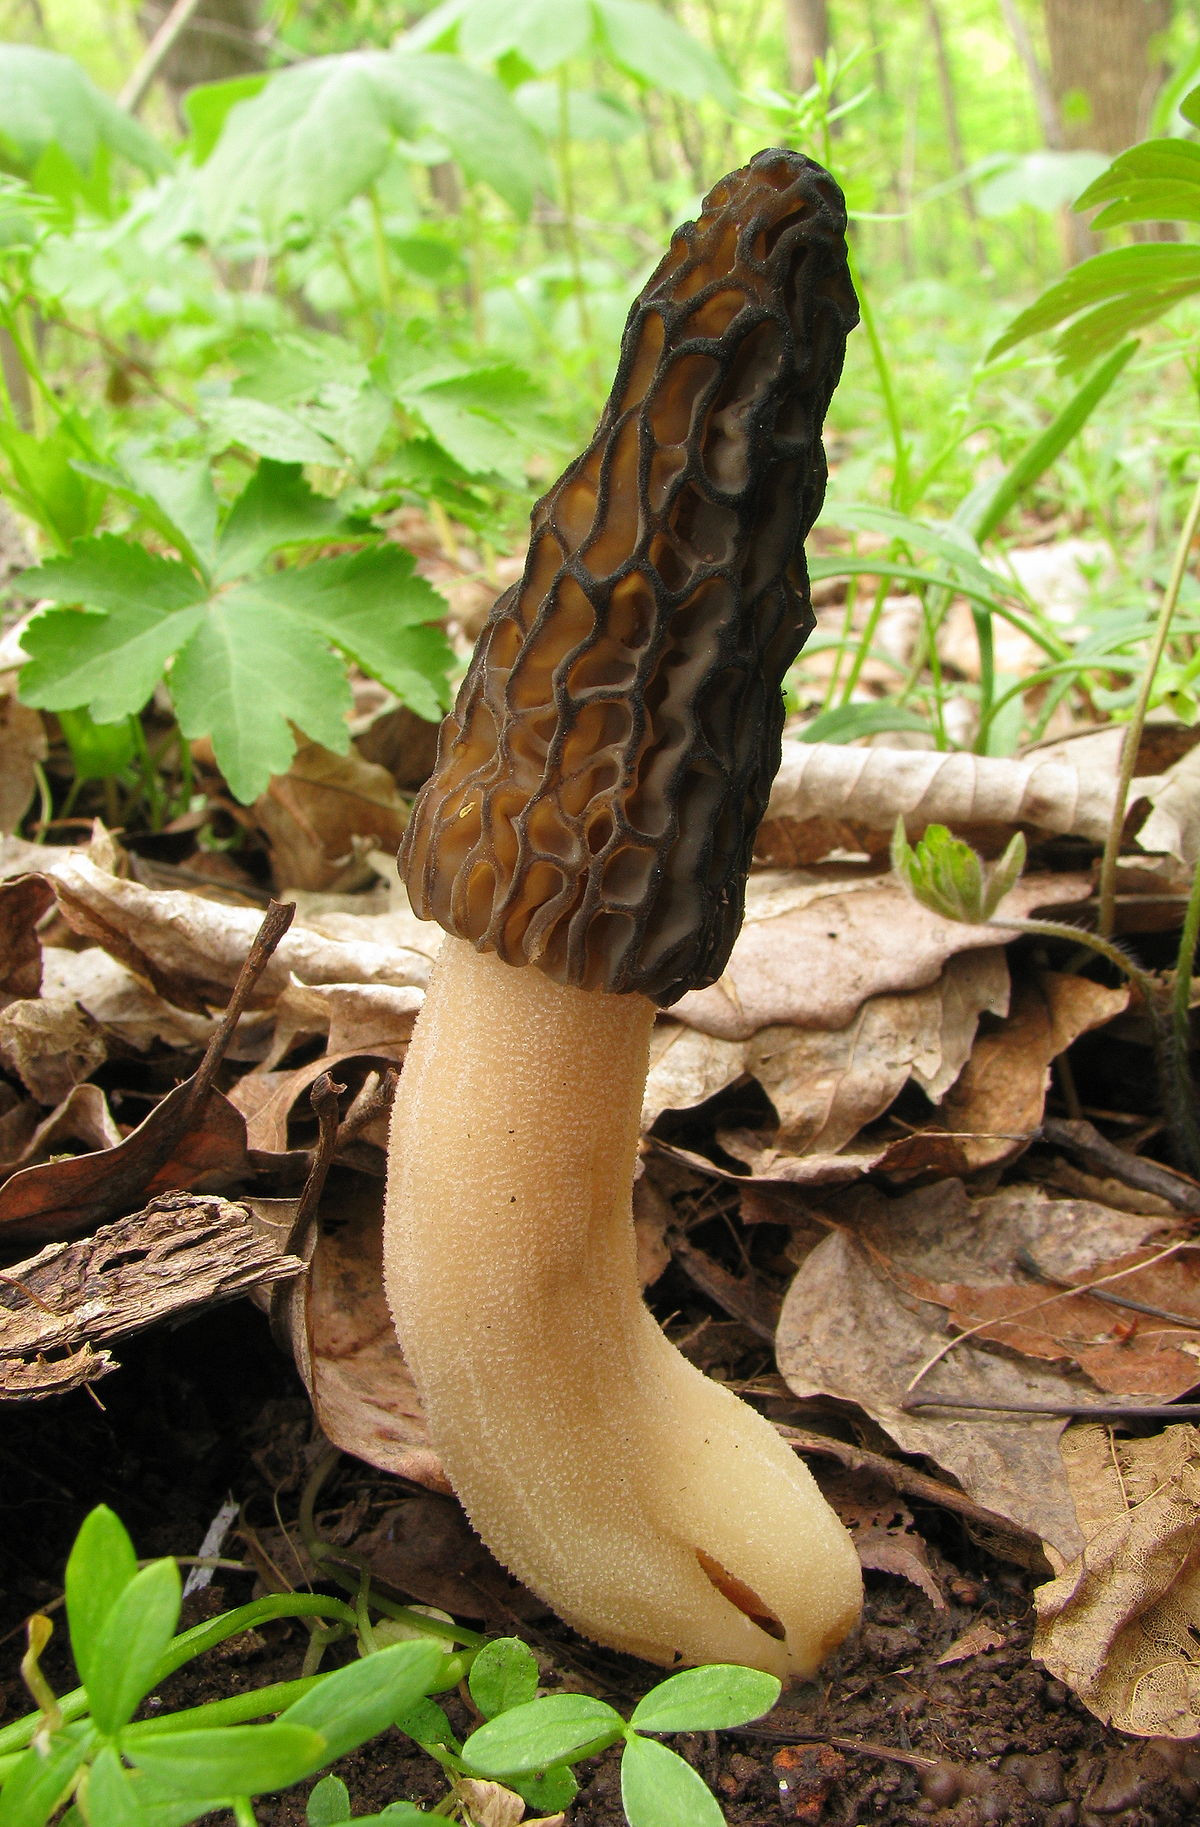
(622, 1485)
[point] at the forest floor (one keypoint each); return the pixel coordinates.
(907, 1724)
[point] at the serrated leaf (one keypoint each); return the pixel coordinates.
(504, 1674)
(46, 484)
(706, 1699)
(358, 1702)
(555, 1729)
(100, 1565)
(229, 1760)
(276, 508)
(323, 131)
(46, 101)
(373, 606)
(270, 431)
(247, 675)
(658, 1789)
(108, 662)
(129, 1644)
(176, 499)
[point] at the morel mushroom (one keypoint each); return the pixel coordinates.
(585, 840)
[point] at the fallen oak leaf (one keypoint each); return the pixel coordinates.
(23, 902)
(1118, 1623)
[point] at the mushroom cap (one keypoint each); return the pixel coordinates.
(602, 775)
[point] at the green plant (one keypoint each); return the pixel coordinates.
(86, 1747)
(246, 647)
(946, 875)
(85, 1751)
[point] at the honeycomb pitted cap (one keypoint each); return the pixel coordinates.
(602, 775)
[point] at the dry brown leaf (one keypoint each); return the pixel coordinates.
(191, 949)
(1174, 824)
(826, 1086)
(686, 1067)
(22, 746)
(853, 1327)
(881, 1524)
(346, 1350)
(83, 1118)
(814, 946)
(126, 1009)
(22, 904)
(997, 1103)
(50, 1046)
(872, 787)
(975, 1641)
(313, 814)
(1120, 1624)
(177, 1147)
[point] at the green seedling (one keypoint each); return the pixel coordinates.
(944, 874)
(85, 1758)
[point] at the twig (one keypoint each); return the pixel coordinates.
(1107, 1411)
(907, 1479)
(276, 920)
(1031, 1267)
(153, 57)
(890, 1753)
(1086, 1143)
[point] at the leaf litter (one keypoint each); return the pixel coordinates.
(866, 1085)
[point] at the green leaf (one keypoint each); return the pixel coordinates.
(658, 53)
(207, 104)
(658, 1789)
(589, 116)
(706, 1699)
(323, 132)
(112, 662)
(1189, 107)
(46, 484)
(504, 1674)
(848, 721)
(46, 101)
(101, 1564)
(426, 1724)
(231, 1760)
(985, 508)
(549, 1792)
(276, 508)
(395, 1812)
(110, 1794)
(544, 32)
(374, 607)
(177, 499)
(250, 672)
(1152, 273)
(1169, 201)
(358, 1702)
(129, 1644)
(35, 1785)
(99, 751)
(555, 1729)
(269, 431)
(328, 1803)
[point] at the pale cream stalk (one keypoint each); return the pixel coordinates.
(596, 1462)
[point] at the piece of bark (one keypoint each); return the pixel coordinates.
(181, 1253)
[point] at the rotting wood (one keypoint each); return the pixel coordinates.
(184, 1251)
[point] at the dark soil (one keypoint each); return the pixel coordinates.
(889, 1734)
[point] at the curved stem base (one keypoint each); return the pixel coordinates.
(623, 1486)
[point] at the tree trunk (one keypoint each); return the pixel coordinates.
(806, 27)
(1104, 74)
(953, 133)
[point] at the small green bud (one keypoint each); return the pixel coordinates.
(944, 874)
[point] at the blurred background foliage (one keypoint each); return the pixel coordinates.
(390, 248)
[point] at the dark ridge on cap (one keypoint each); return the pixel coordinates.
(602, 775)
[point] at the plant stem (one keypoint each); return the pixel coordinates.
(900, 476)
(236, 1709)
(1142, 981)
(1133, 734)
(570, 227)
(383, 265)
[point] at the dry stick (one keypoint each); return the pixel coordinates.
(135, 90)
(1133, 733)
(1074, 1411)
(276, 920)
(982, 1325)
(1025, 1261)
(323, 1097)
(1086, 1143)
(891, 1753)
(902, 1477)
